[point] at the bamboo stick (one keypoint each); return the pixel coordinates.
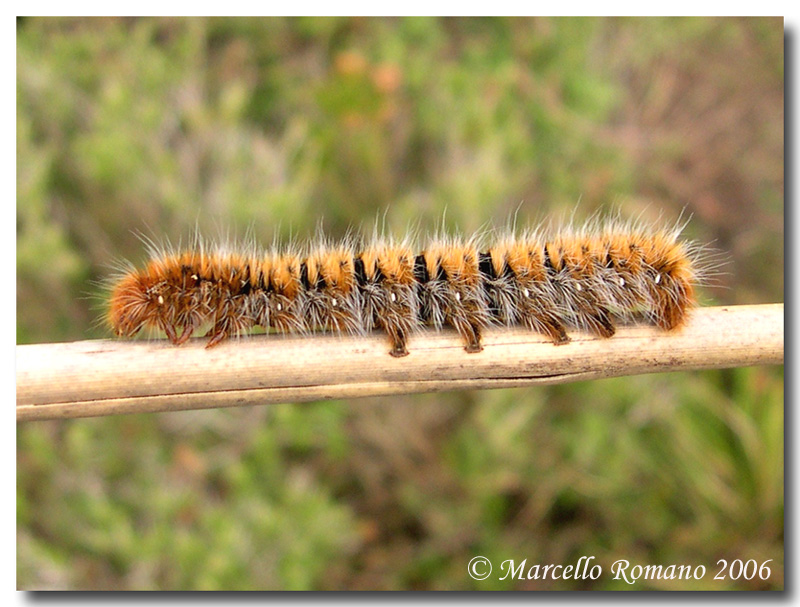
(105, 377)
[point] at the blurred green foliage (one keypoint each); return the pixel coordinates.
(161, 125)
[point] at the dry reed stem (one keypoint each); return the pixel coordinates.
(93, 378)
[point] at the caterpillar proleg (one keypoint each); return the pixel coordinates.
(548, 281)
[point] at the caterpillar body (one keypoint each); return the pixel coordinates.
(589, 279)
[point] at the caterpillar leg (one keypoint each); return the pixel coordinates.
(669, 317)
(671, 306)
(188, 329)
(542, 318)
(220, 331)
(554, 330)
(217, 335)
(398, 338)
(589, 313)
(392, 309)
(474, 341)
(599, 322)
(471, 334)
(169, 330)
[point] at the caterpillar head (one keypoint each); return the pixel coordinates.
(134, 304)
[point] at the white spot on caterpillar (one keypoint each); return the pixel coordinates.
(279, 307)
(334, 303)
(526, 293)
(393, 297)
(658, 278)
(578, 287)
(160, 300)
(621, 281)
(195, 277)
(458, 296)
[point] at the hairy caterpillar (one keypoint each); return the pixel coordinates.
(586, 278)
